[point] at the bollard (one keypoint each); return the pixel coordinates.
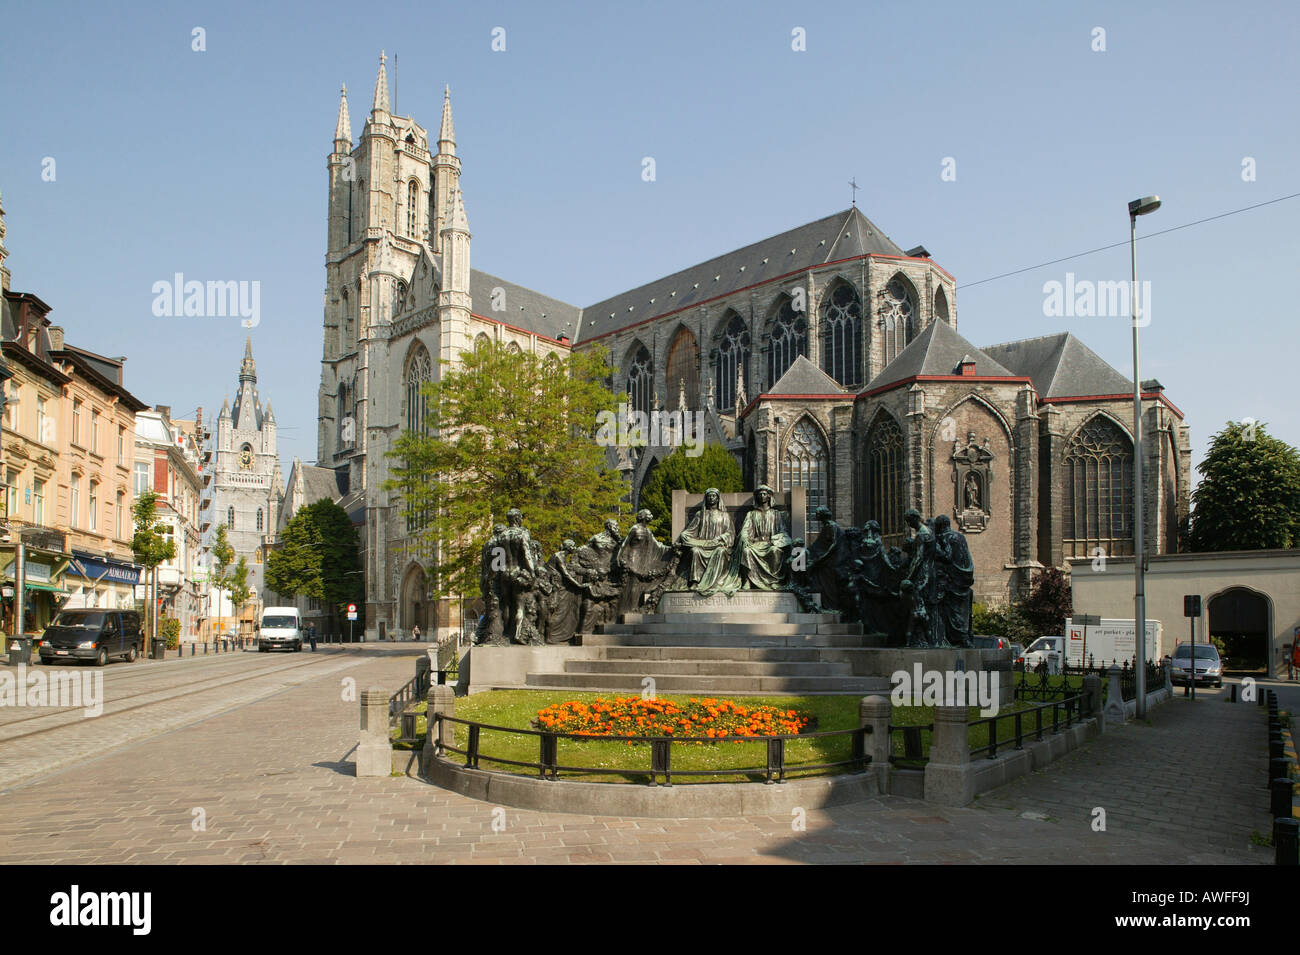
(1275, 745)
(1286, 841)
(1232, 692)
(1280, 791)
(1278, 767)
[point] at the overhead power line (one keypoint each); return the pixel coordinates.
(1116, 245)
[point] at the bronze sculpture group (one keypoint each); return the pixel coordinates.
(917, 595)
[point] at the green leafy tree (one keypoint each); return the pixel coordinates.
(1009, 622)
(501, 430)
(150, 547)
(232, 579)
(714, 467)
(318, 556)
(1249, 494)
(1048, 602)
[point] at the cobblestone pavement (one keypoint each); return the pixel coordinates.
(270, 780)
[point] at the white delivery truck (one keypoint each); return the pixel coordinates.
(1109, 642)
(281, 628)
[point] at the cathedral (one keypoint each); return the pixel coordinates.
(826, 357)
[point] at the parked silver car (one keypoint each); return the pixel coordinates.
(1208, 666)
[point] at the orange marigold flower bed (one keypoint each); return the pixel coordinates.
(634, 717)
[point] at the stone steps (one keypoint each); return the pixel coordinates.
(711, 617)
(736, 654)
(736, 685)
(729, 640)
(694, 627)
(705, 667)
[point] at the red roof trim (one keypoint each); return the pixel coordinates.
(997, 379)
(1127, 396)
(522, 331)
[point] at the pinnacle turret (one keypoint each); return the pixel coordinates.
(343, 129)
(381, 86)
(447, 133)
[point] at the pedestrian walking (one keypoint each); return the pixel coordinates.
(311, 635)
(415, 633)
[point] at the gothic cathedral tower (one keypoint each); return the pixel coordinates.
(397, 291)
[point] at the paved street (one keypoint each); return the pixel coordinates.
(256, 769)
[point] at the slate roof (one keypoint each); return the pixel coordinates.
(938, 350)
(524, 308)
(844, 235)
(1061, 366)
(320, 483)
(805, 378)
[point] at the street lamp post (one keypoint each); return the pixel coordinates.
(1138, 207)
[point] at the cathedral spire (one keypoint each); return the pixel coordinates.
(343, 129)
(447, 133)
(381, 87)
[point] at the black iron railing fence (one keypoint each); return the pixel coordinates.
(1003, 730)
(1039, 684)
(660, 753)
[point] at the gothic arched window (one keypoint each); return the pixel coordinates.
(399, 294)
(259, 518)
(1098, 500)
(898, 316)
(787, 340)
(804, 464)
(841, 318)
(732, 354)
(683, 370)
(640, 381)
(482, 341)
(418, 370)
(413, 208)
(884, 491)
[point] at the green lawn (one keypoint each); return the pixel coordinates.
(518, 708)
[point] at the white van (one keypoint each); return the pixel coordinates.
(281, 628)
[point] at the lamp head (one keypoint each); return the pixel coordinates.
(1140, 207)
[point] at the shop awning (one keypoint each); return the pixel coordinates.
(37, 585)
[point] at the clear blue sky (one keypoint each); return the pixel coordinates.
(213, 164)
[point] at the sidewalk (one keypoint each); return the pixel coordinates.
(1193, 774)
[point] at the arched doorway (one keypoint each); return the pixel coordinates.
(415, 602)
(1240, 618)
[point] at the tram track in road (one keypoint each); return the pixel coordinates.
(172, 690)
(73, 739)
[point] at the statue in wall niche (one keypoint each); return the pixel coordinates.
(828, 570)
(594, 566)
(490, 628)
(972, 473)
(919, 585)
(708, 541)
(955, 575)
(763, 550)
(647, 566)
(565, 606)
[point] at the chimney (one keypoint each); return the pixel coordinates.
(164, 410)
(56, 337)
